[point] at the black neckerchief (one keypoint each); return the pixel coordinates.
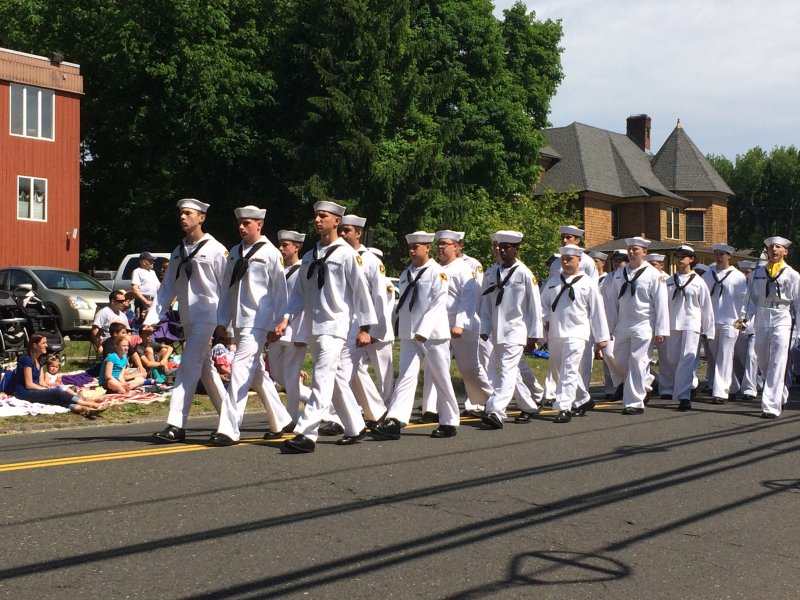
(500, 285)
(679, 289)
(412, 287)
(292, 270)
(567, 286)
(631, 281)
(186, 259)
(775, 281)
(320, 264)
(718, 281)
(240, 268)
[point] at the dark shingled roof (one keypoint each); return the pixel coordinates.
(601, 161)
(681, 166)
(657, 246)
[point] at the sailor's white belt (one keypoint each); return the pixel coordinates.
(774, 303)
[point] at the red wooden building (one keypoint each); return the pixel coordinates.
(39, 160)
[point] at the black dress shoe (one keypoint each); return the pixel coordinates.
(716, 400)
(273, 435)
(564, 416)
(766, 415)
(388, 429)
(349, 440)
(220, 439)
(524, 417)
(330, 428)
(632, 410)
(548, 402)
(685, 404)
(444, 431)
(748, 397)
(171, 434)
(428, 417)
(299, 444)
(492, 421)
(584, 408)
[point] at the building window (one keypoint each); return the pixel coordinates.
(32, 112)
(694, 226)
(615, 221)
(31, 198)
(673, 223)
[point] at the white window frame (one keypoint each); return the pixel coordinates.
(45, 201)
(673, 217)
(27, 89)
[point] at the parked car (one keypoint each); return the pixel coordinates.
(72, 295)
(121, 278)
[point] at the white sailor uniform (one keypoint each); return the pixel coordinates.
(253, 295)
(728, 291)
(573, 316)
(771, 303)
(638, 311)
(690, 315)
(194, 275)
(332, 292)
(485, 350)
(423, 311)
(511, 314)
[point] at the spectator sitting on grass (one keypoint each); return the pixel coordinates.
(153, 356)
(116, 330)
(114, 374)
(222, 351)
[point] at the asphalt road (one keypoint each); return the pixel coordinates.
(664, 505)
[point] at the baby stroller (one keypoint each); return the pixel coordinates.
(38, 318)
(13, 333)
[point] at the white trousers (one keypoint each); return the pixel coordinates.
(195, 366)
(476, 382)
(528, 393)
(567, 354)
(285, 364)
(372, 397)
(746, 364)
(615, 371)
(631, 352)
(772, 350)
(436, 355)
(677, 362)
(508, 381)
(331, 387)
(720, 360)
(248, 370)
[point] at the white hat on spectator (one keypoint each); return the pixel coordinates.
(571, 250)
(777, 240)
(194, 204)
(637, 241)
(250, 212)
(291, 235)
(354, 221)
(419, 237)
(723, 248)
(570, 230)
(507, 237)
(329, 207)
(446, 234)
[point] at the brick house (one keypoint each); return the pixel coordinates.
(672, 197)
(39, 160)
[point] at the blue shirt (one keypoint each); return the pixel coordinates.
(26, 360)
(118, 363)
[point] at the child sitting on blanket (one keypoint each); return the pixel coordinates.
(222, 351)
(114, 374)
(51, 378)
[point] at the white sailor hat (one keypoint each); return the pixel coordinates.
(685, 249)
(654, 257)
(376, 251)
(507, 237)
(460, 236)
(291, 235)
(194, 204)
(570, 230)
(446, 234)
(329, 207)
(637, 241)
(419, 237)
(777, 240)
(723, 248)
(700, 267)
(571, 250)
(553, 257)
(598, 255)
(746, 264)
(250, 212)
(354, 221)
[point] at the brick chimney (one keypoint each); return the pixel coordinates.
(638, 130)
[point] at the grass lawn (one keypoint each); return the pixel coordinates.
(79, 357)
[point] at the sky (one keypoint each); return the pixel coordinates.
(728, 69)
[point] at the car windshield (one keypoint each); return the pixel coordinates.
(68, 280)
